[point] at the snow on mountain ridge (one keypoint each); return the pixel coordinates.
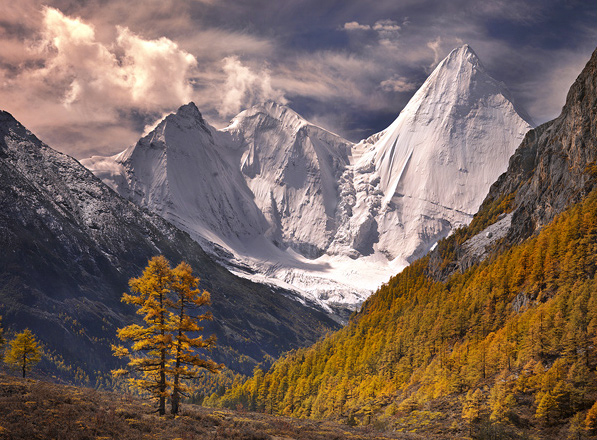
(436, 161)
(302, 206)
(292, 168)
(178, 172)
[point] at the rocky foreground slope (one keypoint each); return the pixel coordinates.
(78, 413)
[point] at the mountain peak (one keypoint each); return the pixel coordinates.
(441, 143)
(189, 111)
(8, 121)
(460, 60)
(463, 51)
(8, 125)
(269, 110)
(275, 109)
(187, 118)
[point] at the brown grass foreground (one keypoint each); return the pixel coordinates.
(31, 409)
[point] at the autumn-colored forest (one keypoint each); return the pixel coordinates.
(509, 342)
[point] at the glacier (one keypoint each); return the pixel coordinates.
(282, 201)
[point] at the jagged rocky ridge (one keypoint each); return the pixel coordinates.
(69, 245)
(288, 202)
(554, 167)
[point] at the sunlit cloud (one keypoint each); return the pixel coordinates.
(398, 84)
(131, 72)
(435, 45)
(80, 81)
(93, 75)
(387, 30)
(244, 88)
(356, 26)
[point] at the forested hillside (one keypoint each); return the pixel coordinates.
(521, 329)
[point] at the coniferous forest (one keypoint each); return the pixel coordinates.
(512, 338)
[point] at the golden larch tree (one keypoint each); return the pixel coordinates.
(474, 408)
(151, 342)
(23, 352)
(184, 320)
(163, 354)
(591, 420)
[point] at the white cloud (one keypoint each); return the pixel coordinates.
(157, 73)
(398, 84)
(356, 26)
(386, 26)
(387, 30)
(130, 73)
(244, 87)
(325, 75)
(91, 93)
(435, 46)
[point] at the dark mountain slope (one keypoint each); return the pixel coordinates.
(69, 245)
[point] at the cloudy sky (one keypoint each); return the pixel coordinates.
(88, 77)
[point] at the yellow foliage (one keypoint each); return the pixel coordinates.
(161, 353)
(591, 419)
(522, 322)
(23, 352)
(474, 406)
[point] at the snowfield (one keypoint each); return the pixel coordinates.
(282, 201)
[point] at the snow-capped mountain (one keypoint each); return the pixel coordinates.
(434, 164)
(292, 168)
(181, 171)
(284, 201)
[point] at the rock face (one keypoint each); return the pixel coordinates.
(281, 200)
(554, 167)
(70, 244)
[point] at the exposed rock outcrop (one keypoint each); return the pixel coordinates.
(554, 167)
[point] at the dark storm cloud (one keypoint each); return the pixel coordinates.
(88, 75)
